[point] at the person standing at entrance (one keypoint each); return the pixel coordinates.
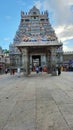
(59, 70)
(18, 72)
(37, 69)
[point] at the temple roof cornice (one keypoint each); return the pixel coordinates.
(37, 44)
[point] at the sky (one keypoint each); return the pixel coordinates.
(60, 16)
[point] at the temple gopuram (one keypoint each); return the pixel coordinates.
(35, 43)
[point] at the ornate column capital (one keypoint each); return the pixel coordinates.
(24, 51)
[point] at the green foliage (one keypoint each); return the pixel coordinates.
(5, 51)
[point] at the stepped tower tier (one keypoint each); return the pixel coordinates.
(34, 26)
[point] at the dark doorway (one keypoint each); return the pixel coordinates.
(36, 60)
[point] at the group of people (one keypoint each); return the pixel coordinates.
(39, 69)
(13, 71)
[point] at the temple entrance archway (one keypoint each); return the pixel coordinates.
(43, 55)
(36, 60)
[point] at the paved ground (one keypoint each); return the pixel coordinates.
(38, 102)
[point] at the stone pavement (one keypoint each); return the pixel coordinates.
(37, 102)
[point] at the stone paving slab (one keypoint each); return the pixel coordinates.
(22, 117)
(37, 102)
(67, 111)
(49, 117)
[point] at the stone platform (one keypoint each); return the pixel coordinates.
(37, 102)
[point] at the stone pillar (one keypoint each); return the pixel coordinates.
(48, 61)
(25, 61)
(53, 61)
